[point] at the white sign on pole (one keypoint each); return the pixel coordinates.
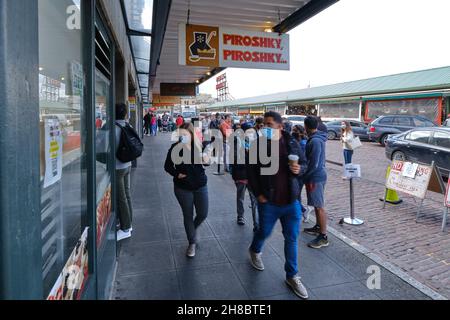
(53, 152)
(416, 186)
(352, 171)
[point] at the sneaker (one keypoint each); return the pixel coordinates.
(319, 242)
(256, 261)
(241, 221)
(315, 231)
(190, 252)
(297, 286)
(121, 235)
(306, 214)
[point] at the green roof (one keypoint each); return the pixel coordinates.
(423, 80)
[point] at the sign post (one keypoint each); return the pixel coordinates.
(352, 171)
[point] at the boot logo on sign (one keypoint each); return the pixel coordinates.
(201, 48)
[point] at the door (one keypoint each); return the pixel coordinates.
(417, 145)
(440, 149)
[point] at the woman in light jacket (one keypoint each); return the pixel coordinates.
(346, 137)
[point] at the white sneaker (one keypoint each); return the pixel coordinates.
(190, 252)
(121, 235)
(306, 214)
(256, 261)
(297, 286)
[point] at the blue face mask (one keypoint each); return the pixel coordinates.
(184, 139)
(267, 132)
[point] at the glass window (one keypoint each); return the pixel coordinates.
(402, 121)
(423, 123)
(386, 121)
(340, 110)
(62, 147)
(419, 136)
(441, 139)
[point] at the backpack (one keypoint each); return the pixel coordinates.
(130, 146)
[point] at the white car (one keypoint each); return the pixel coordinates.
(296, 119)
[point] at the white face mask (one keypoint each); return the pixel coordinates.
(185, 139)
(343, 126)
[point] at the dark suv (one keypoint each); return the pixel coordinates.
(382, 127)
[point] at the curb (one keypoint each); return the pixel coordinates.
(387, 265)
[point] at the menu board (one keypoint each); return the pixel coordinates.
(410, 179)
(71, 281)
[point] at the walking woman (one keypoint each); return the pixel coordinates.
(190, 181)
(346, 137)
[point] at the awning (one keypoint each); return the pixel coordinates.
(279, 16)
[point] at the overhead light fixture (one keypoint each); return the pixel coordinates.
(62, 78)
(268, 30)
(208, 73)
(41, 69)
(197, 81)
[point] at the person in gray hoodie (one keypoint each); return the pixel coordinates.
(315, 178)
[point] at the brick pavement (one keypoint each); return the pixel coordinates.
(420, 249)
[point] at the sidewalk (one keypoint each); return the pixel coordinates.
(153, 265)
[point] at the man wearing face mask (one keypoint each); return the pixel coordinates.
(277, 196)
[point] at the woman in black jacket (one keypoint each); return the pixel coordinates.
(184, 162)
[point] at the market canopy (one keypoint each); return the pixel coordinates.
(253, 15)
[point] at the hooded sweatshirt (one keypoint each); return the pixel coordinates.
(316, 157)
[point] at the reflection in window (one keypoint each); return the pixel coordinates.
(419, 136)
(62, 154)
(441, 139)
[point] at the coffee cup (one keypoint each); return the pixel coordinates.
(293, 159)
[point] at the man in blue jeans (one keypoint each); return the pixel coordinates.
(277, 196)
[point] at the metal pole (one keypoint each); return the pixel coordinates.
(444, 220)
(352, 220)
(420, 209)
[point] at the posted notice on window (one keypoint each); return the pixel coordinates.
(53, 152)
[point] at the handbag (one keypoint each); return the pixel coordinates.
(355, 143)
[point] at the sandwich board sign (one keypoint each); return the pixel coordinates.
(410, 178)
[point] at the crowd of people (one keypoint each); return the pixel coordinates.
(275, 196)
(300, 154)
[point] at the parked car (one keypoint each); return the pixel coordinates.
(360, 129)
(423, 145)
(382, 127)
(296, 119)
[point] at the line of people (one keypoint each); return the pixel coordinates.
(274, 196)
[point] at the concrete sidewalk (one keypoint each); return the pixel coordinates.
(153, 265)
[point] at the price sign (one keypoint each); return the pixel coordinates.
(352, 171)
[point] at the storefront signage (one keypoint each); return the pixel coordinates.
(103, 214)
(71, 281)
(53, 152)
(225, 47)
(409, 178)
(178, 90)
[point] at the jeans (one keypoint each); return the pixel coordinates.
(154, 129)
(124, 208)
(188, 200)
(290, 217)
(348, 156)
(240, 197)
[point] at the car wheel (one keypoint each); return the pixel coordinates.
(332, 135)
(398, 155)
(383, 140)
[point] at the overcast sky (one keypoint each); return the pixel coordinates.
(352, 40)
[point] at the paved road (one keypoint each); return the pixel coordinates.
(420, 249)
(153, 265)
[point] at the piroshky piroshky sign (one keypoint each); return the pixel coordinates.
(235, 48)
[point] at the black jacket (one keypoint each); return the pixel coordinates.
(264, 184)
(196, 176)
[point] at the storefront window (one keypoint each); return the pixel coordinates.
(428, 108)
(340, 110)
(62, 149)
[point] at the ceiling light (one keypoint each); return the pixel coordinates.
(41, 69)
(208, 73)
(197, 81)
(268, 30)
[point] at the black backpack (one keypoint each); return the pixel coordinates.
(130, 146)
